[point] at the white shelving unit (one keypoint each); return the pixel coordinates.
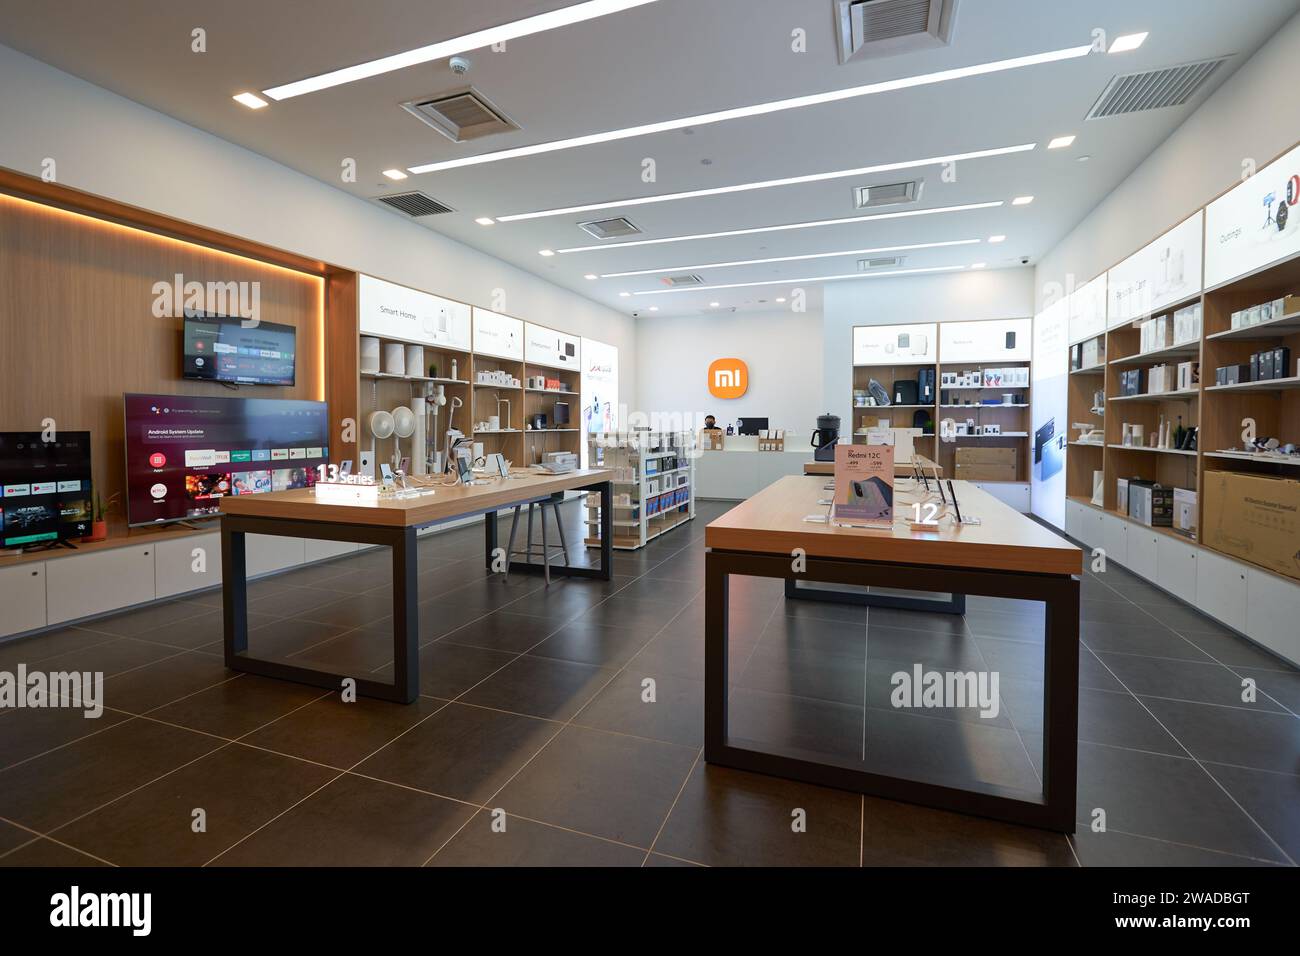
(654, 485)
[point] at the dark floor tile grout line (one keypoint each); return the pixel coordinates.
(673, 806)
(45, 836)
(1024, 748)
(1191, 846)
(1268, 836)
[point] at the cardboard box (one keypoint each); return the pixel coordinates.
(1255, 518)
(1185, 511)
(982, 472)
(986, 456)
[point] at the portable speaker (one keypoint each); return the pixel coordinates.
(905, 392)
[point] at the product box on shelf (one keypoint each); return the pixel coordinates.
(1160, 379)
(985, 472)
(1154, 334)
(1189, 375)
(1254, 517)
(1092, 353)
(1187, 324)
(1151, 503)
(1281, 363)
(1231, 374)
(986, 464)
(1185, 511)
(1131, 381)
(1121, 495)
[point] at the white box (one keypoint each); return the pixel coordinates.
(1185, 511)
(1189, 375)
(1187, 324)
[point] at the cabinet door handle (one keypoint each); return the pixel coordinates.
(36, 574)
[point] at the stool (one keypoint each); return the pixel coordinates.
(544, 550)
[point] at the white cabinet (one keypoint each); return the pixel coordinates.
(187, 564)
(1074, 519)
(1221, 589)
(1176, 567)
(82, 585)
(1114, 534)
(264, 553)
(1009, 493)
(1143, 551)
(1273, 613)
(22, 598)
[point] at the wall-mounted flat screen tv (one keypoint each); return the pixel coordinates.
(185, 452)
(45, 489)
(220, 348)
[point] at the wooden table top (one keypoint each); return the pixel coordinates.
(901, 468)
(772, 522)
(447, 502)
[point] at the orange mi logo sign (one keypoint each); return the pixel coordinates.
(728, 378)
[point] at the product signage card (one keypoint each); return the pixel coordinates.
(393, 311)
(543, 346)
(498, 335)
(894, 344)
(998, 340)
(864, 484)
(1255, 224)
(1087, 310)
(1157, 276)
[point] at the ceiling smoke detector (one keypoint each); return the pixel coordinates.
(461, 115)
(609, 228)
(1154, 89)
(891, 194)
(867, 28)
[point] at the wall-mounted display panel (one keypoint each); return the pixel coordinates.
(543, 346)
(498, 335)
(895, 344)
(1087, 308)
(1050, 378)
(1159, 275)
(998, 340)
(1255, 224)
(599, 390)
(393, 311)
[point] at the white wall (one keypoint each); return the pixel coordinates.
(783, 350)
(105, 144)
(966, 296)
(1254, 115)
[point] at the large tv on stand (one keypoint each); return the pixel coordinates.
(46, 497)
(184, 453)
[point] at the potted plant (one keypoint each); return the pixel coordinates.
(99, 522)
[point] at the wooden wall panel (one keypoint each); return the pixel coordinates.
(77, 328)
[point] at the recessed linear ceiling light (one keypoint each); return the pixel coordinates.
(997, 238)
(546, 252)
(1061, 142)
(1022, 200)
(591, 276)
(759, 109)
(978, 265)
(625, 294)
(1127, 43)
(770, 183)
(394, 174)
(485, 221)
(794, 225)
(251, 100)
(815, 255)
(714, 305)
(850, 275)
(462, 44)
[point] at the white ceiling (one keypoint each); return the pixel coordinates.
(668, 59)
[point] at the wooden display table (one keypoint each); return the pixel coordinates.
(392, 523)
(1007, 555)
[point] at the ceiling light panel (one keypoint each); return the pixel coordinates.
(251, 100)
(774, 183)
(760, 109)
(447, 48)
(815, 255)
(1127, 43)
(813, 224)
(832, 278)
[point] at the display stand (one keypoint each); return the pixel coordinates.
(654, 485)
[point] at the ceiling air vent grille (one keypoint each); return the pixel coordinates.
(891, 194)
(609, 228)
(885, 262)
(1155, 89)
(462, 115)
(886, 27)
(680, 280)
(414, 204)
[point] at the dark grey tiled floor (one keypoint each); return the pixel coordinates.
(564, 726)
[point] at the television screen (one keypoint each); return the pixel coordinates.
(219, 348)
(184, 453)
(45, 490)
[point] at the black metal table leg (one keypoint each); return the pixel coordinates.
(490, 540)
(606, 570)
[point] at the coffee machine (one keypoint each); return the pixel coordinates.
(825, 437)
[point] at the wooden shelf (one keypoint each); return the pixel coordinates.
(1186, 394)
(550, 431)
(508, 388)
(549, 391)
(1090, 370)
(998, 405)
(1003, 435)
(415, 378)
(1173, 351)
(1267, 385)
(1292, 461)
(1154, 451)
(1086, 444)
(500, 431)
(1274, 328)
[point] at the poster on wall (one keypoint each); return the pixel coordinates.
(599, 390)
(1087, 306)
(1255, 224)
(895, 344)
(1050, 380)
(1157, 276)
(543, 346)
(999, 340)
(498, 335)
(394, 311)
